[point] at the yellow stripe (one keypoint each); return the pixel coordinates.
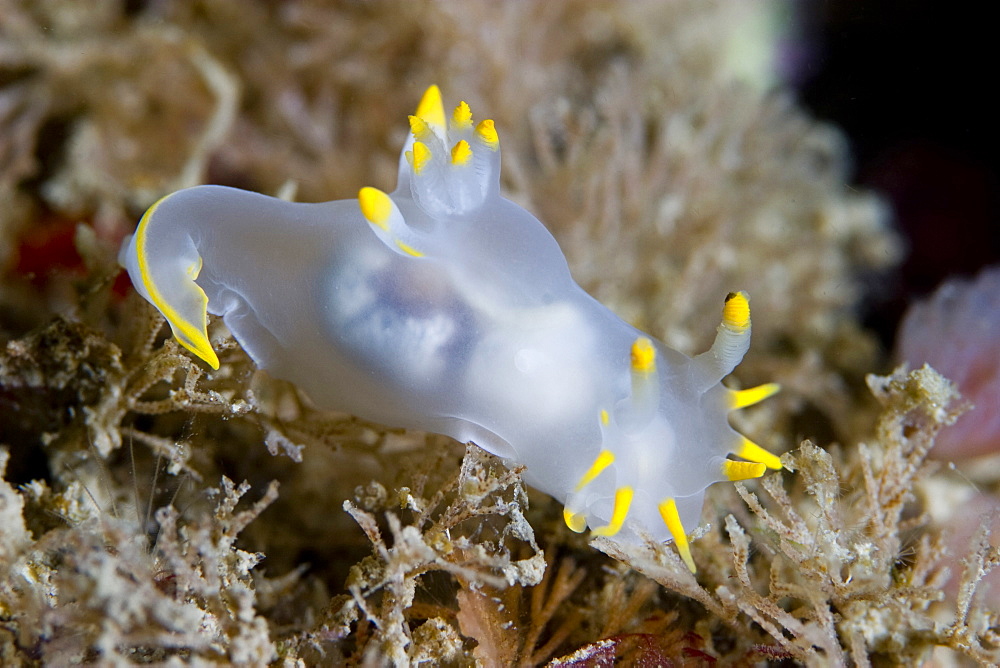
(409, 250)
(623, 501)
(193, 337)
(603, 461)
(668, 511)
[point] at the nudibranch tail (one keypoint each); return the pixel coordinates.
(167, 265)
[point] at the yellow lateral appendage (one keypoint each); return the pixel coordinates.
(668, 511)
(623, 501)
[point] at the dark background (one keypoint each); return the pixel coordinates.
(913, 84)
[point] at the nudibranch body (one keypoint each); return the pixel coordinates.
(445, 307)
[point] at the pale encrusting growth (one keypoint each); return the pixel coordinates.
(665, 179)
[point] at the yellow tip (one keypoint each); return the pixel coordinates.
(408, 249)
(576, 522)
(376, 206)
(753, 452)
(420, 129)
(623, 501)
(605, 418)
(643, 355)
(736, 312)
(462, 116)
(421, 156)
(752, 395)
(487, 133)
(200, 346)
(736, 471)
(431, 109)
(461, 153)
(668, 511)
(603, 461)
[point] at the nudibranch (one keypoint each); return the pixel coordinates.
(445, 307)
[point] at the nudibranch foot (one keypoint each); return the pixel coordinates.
(442, 306)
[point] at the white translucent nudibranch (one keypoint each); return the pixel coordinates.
(445, 307)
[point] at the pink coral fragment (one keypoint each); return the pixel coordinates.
(957, 331)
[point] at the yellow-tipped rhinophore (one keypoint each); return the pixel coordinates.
(623, 501)
(190, 333)
(736, 471)
(605, 418)
(376, 206)
(487, 134)
(461, 153)
(605, 459)
(752, 395)
(643, 355)
(462, 116)
(577, 522)
(668, 511)
(753, 452)
(736, 312)
(431, 108)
